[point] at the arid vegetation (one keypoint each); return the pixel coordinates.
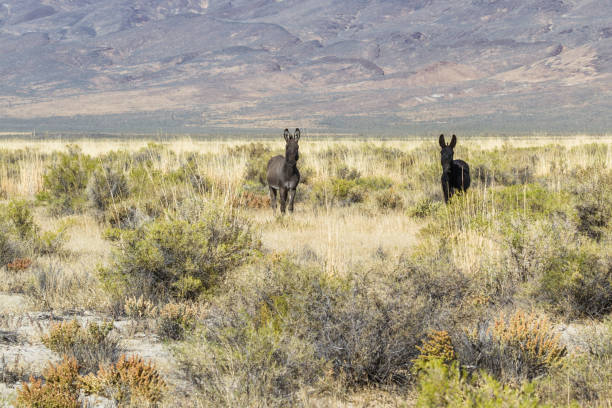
(156, 274)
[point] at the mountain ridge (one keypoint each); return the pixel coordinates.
(373, 67)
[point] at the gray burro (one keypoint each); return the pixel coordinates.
(283, 175)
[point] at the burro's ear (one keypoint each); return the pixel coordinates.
(286, 135)
(442, 143)
(297, 134)
(453, 142)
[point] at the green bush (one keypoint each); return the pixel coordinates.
(11, 247)
(337, 191)
(424, 208)
(532, 200)
(248, 340)
(20, 214)
(578, 283)
(441, 385)
(18, 232)
(107, 186)
(65, 182)
(257, 155)
(181, 258)
(594, 201)
(373, 183)
(20, 236)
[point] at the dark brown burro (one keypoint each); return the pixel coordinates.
(283, 175)
(455, 173)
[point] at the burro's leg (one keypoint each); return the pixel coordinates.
(445, 190)
(283, 199)
(291, 198)
(273, 199)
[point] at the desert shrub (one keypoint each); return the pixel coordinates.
(181, 258)
(175, 320)
(594, 201)
(532, 200)
(389, 199)
(587, 373)
(279, 327)
(438, 346)
(106, 187)
(59, 390)
(572, 276)
(505, 166)
(129, 215)
(424, 208)
(245, 345)
(337, 191)
(388, 156)
(346, 173)
(130, 382)
(52, 242)
(534, 245)
(151, 154)
(441, 385)
(20, 236)
(20, 214)
(578, 282)
(521, 346)
(374, 183)
(257, 155)
(90, 346)
(18, 231)
(65, 182)
(253, 200)
(11, 247)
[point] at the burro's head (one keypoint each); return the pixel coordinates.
(446, 154)
(292, 148)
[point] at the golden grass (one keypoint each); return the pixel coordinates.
(181, 144)
(341, 238)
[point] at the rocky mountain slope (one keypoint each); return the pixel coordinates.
(371, 67)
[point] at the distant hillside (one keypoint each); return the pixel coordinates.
(371, 67)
